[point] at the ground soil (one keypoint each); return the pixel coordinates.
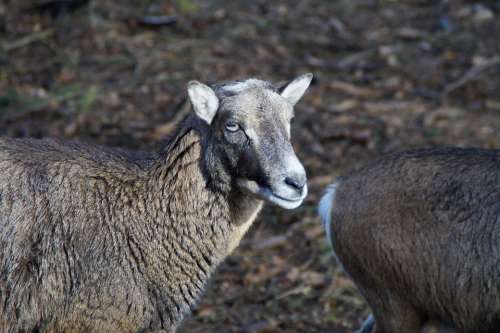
(389, 75)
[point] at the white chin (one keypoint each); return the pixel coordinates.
(284, 203)
(268, 195)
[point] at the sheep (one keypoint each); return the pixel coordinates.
(419, 233)
(94, 239)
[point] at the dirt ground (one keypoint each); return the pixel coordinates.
(388, 75)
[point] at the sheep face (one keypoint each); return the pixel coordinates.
(249, 125)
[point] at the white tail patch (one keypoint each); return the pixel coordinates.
(325, 209)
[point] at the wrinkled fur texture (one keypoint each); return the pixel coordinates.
(98, 240)
(94, 239)
(419, 233)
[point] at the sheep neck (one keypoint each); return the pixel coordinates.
(194, 226)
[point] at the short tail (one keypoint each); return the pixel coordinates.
(368, 325)
(325, 209)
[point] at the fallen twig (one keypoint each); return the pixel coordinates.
(294, 291)
(270, 242)
(26, 40)
(353, 90)
(155, 21)
(472, 74)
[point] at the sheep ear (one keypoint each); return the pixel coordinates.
(205, 102)
(294, 90)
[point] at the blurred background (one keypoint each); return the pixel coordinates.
(389, 75)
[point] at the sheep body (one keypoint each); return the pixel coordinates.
(88, 231)
(419, 233)
(94, 239)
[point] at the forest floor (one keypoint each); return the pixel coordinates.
(389, 75)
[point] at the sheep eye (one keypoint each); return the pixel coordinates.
(232, 127)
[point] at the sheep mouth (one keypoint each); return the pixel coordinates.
(287, 203)
(268, 194)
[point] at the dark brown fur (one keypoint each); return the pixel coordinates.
(419, 233)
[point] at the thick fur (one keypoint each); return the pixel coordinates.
(94, 239)
(419, 232)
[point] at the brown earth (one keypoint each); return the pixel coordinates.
(388, 75)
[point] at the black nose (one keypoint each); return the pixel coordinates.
(296, 181)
